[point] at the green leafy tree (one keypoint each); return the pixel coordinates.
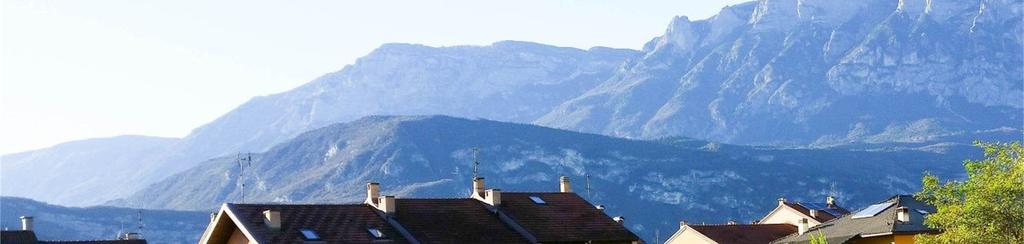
(987, 207)
(817, 238)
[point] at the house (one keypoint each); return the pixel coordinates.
(814, 212)
(780, 222)
(896, 220)
(27, 235)
(486, 216)
(730, 233)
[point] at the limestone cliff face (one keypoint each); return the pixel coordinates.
(818, 72)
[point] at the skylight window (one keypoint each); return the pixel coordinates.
(309, 235)
(922, 211)
(537, 200)
(376, 233)
(872, 210)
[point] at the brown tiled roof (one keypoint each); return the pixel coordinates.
(823, 215)
(18, 237)
(565, 217)
(462, 220)
(333, 223)
(745, 233)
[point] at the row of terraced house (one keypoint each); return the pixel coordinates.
(495, 216)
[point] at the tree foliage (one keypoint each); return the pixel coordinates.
(987, 207)
(818, 238)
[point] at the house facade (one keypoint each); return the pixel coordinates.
(787, 218)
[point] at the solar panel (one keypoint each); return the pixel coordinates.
(871, 210)
(376, 233)
(309, 235)
(537, 200)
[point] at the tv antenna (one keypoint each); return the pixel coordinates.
(587, 177)
(244, 161)
(476, 162)
(140, 222)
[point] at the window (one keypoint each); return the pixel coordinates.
(309, 235)
(537, 200)
(376, 233)
(871, 210)
(922, 211)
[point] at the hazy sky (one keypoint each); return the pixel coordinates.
(83, 69)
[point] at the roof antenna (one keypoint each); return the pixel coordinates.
(140, 222)
(589, 197)
(247, 159)
(476, 162)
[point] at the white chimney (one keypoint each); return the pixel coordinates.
(619, 219)
(831, 201)
(272, 219)
(387, 204)
(372, 193)
(478, 186)
(563, 184)
(814, 213)
(903, 215)
(782, 201)
(493, 197)
(27, 223)
(801, 226)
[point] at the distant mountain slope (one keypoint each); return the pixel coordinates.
(654, 183)
(80, 172)
(819, 72)
(54, 222)
(509, 80)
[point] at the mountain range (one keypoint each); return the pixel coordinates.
(782, 97)
(102, 223)
(653, 183)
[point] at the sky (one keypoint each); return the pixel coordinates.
(73, 70)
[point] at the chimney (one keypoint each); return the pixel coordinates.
(27, 223)
(563, 184)
(478, 186)
(814, 213)
(213, 216)
(903, 214)
(272, 219)
(387, 204)
(620, 220)
(493, 197)
(831, 201)
(801, 226)
(682, 224)
(372, 193)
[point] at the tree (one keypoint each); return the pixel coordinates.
(817, 238)
(987, 207)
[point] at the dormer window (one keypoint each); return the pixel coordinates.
(309, 235)
(537, 200)
(376, 233)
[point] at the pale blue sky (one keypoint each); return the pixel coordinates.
(82, 69)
